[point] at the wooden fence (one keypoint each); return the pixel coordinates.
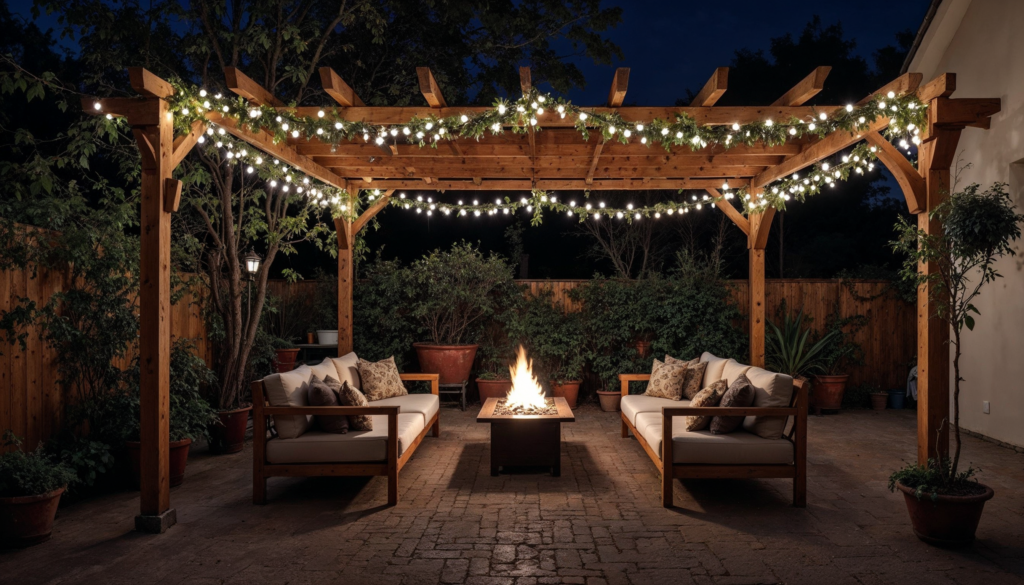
(31, 400)
(31, 403)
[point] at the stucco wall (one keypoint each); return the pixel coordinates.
(987, 54)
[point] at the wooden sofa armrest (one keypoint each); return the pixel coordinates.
(625, 379)
(434, 380)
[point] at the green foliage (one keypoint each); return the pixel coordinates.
(453, 292)
(935, 479)
(114, 417)
(554, 338)
(324, 309)
(788, 350)
(683, 314)
(383, 325)
(89, 459)
(979, 228)
(841, 351)
(30, 474)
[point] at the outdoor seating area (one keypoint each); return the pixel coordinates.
(395, 293)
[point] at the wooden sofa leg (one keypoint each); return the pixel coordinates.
(800, 490)
(437, 427)
(667, 499)
(625, 430)
(393, 488)
(259, 490)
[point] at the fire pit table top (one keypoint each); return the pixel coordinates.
(491, 408)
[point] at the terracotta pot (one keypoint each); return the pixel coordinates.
(28, 520)
(609, 400)
(828, 392)
(643, 348)
(229, 436)
(493, 388)
(878, 400)
(949, 521)
(284, 359)
(178, 460)
(452, 362)
(569, 390)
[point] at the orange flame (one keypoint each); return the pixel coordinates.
(526, 393)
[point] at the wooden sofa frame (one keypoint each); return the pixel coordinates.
(262, 470)
(797, 435)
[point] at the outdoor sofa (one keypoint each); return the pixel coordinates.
(658, 425)
(301, 450)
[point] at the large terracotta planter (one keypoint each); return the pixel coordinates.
(493, 388)
(178, 460)
(609, 400)
(284, 359)
(229, 436)
(452, 362)
(949, 521)
(828, 392)
(569, 390)
(28, 520)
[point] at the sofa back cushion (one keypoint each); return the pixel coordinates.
(348, 369)
(322, 393)
(732, 370)
(324, 369)
(289, 389)
(714, 369)
(771, 390)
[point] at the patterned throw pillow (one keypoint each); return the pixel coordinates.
(671, 360)
(708, 397)
(666, 380)
(322, 394)
(694, 379)
(349, 396)
(381, 379)
(739, 395)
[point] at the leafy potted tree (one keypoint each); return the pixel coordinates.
(453, 292)
(558, 341)
(190, 414)
(30, 488)
(978, 228)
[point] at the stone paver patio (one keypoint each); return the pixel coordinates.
(601, 522)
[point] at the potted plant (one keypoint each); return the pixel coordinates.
(558, 341)
(788, 350)
(324, 309)
(453, 293)
(30, 488)
(838, 354)
(879, 398)
(191, 415)
(978, 228)
(285, 354)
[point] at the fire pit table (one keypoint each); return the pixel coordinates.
(530, 438)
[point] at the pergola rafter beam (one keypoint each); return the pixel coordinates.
(546, 184)
(241, 84)
(713, 89)
(526, 84)
(336, 87)
(805, 90)
(616, 95)
(435, 99)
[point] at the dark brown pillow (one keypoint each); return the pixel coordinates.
(739, 395)
(349, 396)
(694, 380)
(321, 394)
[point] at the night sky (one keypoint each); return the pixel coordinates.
(670, 47)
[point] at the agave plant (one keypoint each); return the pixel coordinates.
(788, 350)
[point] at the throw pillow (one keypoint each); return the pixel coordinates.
(381, 380)
(771, 390)
(349, 396)
(671, 360)
(321, 394)
(694, 380)
(739, 395)
(289, 389)
(708, 397)
(666, 380)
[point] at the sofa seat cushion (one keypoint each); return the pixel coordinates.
(352, 447)
(739, 448)
(425, 405)
(634, 404)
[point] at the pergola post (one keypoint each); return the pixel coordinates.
(757, 240)
(346, 275)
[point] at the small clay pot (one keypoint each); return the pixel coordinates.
(28, 520)
(493, 388)
(229, 436)
(609, 400)
(948, 521)
(570, 390)
(879, 400)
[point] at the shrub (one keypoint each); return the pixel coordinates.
(382, 307)
(556, 339)
(30, 474)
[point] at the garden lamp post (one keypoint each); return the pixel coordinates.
(252, 266)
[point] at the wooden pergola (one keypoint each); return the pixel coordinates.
(556, 159)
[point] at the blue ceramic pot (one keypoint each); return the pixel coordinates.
(897, 398)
